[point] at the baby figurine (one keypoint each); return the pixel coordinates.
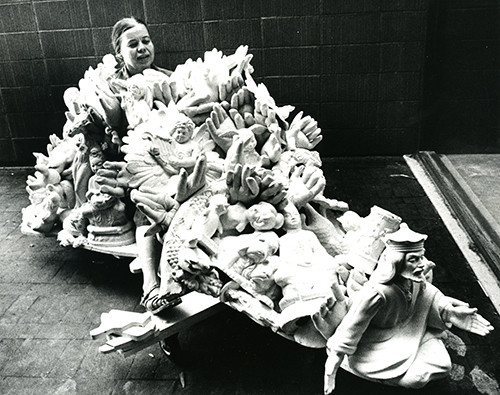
(186, 150)
(182, 151)
(262, 216)
(137, 99)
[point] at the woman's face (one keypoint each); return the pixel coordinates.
(137, 49)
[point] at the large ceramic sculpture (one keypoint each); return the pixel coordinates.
(394, 328)
(218, 192)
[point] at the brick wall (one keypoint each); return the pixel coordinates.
(355, 65)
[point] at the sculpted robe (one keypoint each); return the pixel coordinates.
(393, 338)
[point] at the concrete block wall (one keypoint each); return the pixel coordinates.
(355, 65)
(462, 82)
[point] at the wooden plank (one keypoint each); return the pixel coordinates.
(195, 307)
(139, 333)
(117, 321)
(128, 251)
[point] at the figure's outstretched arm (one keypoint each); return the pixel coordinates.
(462, 316)
(154, 151)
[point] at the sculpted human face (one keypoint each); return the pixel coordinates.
(413, 266)
(96, 158)
(137, 49)
(182, 134)
(262, 216)
(292, 218)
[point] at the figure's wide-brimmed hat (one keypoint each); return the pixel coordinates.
(405, 240)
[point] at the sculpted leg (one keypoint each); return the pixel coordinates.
(148, 250)
(432, 362)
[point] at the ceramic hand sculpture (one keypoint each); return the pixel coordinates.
(221, 127)
(243, 150)
(203, 88)
(158, 208)
(391, 333)
(61, 153)
(243, 102)
(303, 133)
(160, 86)
(44, 174)
(113, 178)
(328, 231)
(306, 183)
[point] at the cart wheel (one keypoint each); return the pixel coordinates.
(172, 349)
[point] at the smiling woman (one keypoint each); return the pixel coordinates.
(134, 49)
(135, 53)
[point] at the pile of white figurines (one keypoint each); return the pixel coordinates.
(232, 189)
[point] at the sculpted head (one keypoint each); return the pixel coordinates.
(264, 216)
(403, 256)
(292, 217)
(263, 245)
(183, 130)
(96, 157)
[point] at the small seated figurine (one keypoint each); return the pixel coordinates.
(392, 332)
(306, 276)
(183, 151)
(102, 215)
(300, 247)
(108, 223)
(186, 150)
(137, 99)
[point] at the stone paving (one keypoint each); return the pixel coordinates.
(51, 297)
